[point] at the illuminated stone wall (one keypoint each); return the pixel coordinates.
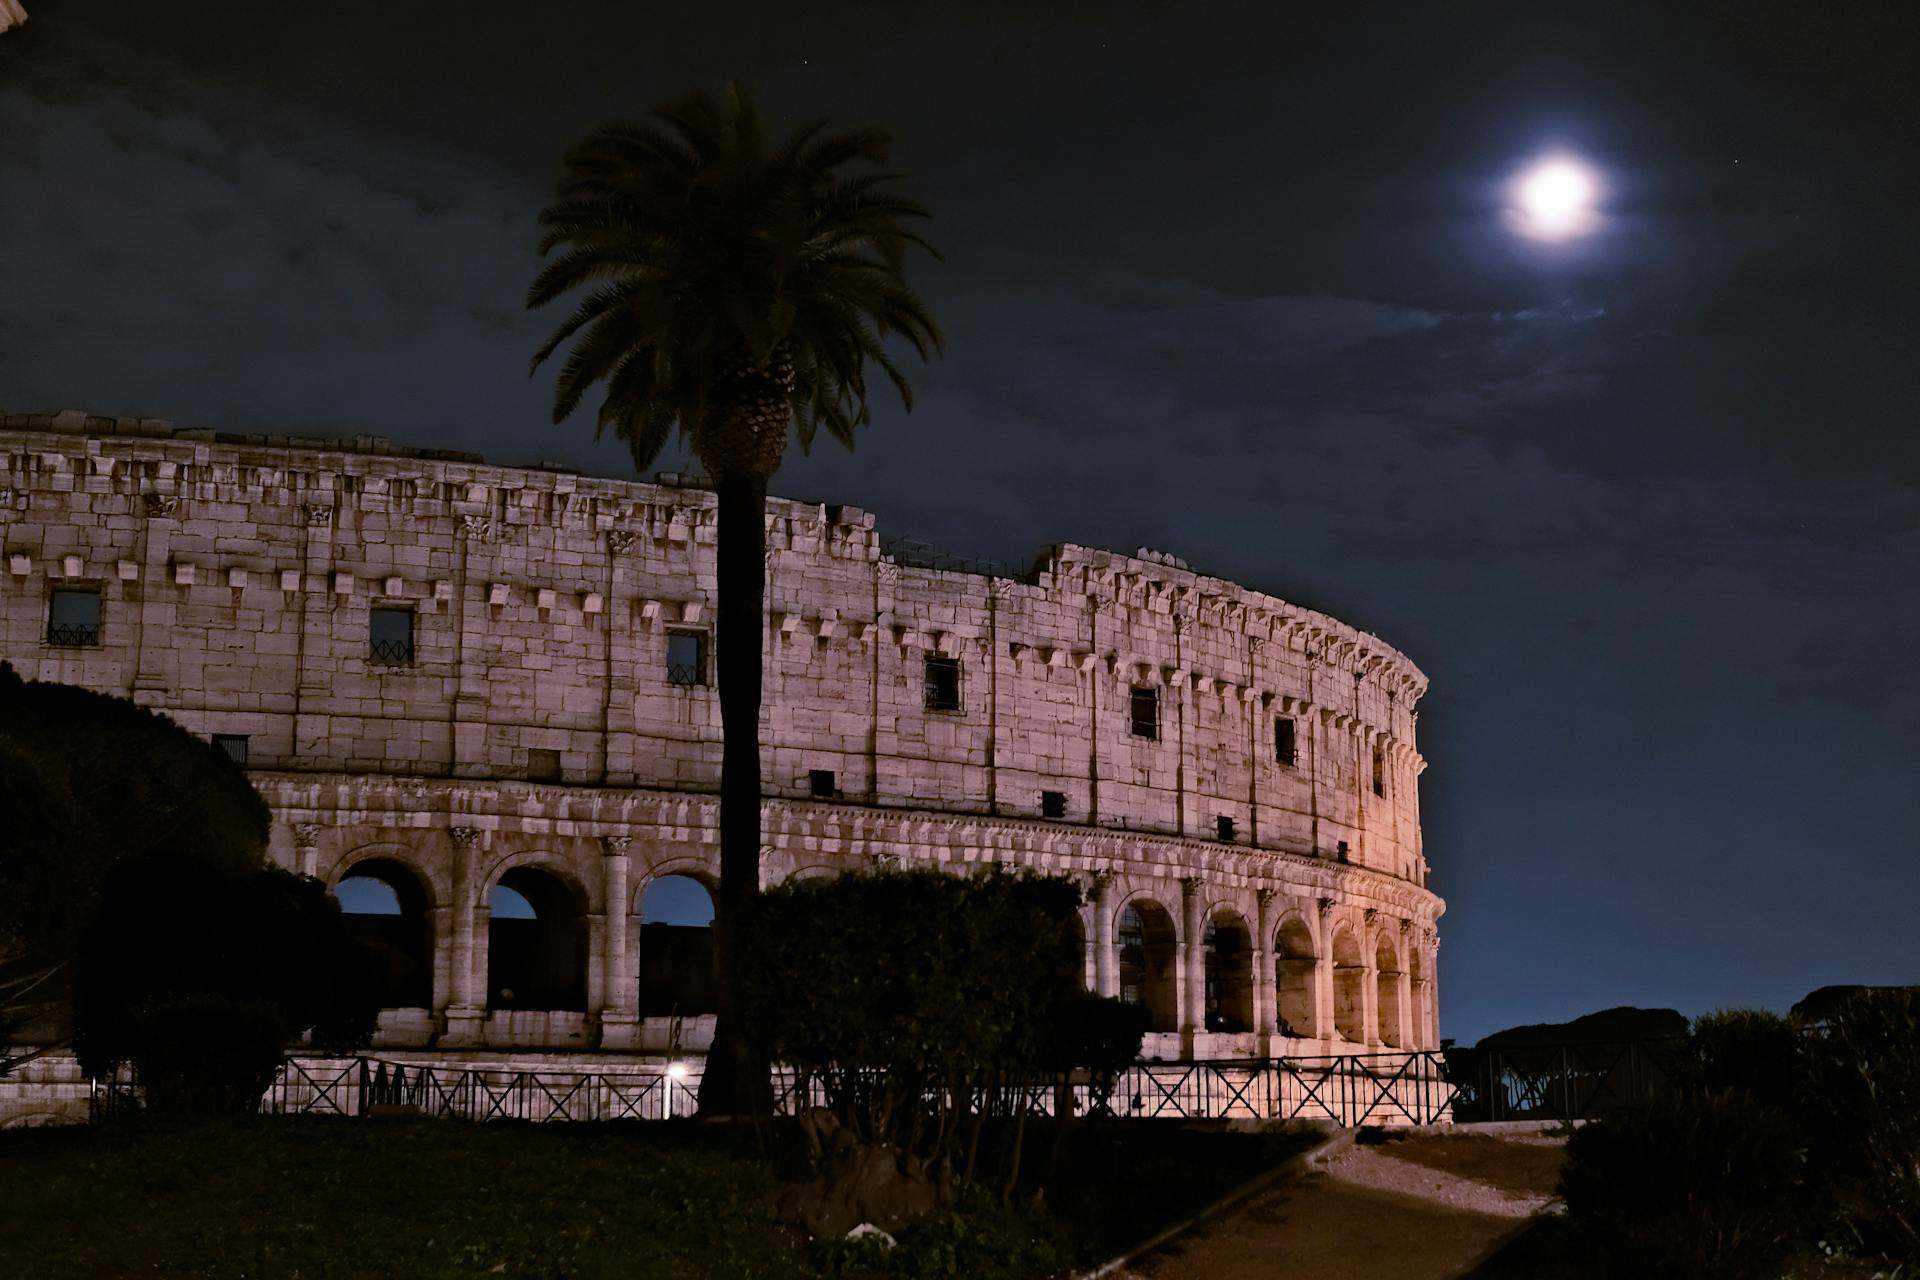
(535, 723)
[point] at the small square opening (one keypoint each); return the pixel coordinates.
(820, 783)
(687, 659)
(943, 684)
(1146, 712)
(234, 746)
(73, 619)
(543, 765)
(1053, 804)
(1223, 827)
(390, 636)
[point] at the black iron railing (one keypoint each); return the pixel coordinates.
(689, 675)
(74, 635)
(392, 653)
(1414, 1087)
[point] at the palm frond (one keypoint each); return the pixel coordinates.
(701, 246)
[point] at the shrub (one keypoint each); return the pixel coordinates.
(1866, 1074)
(1749, 1050)
(1704, 1184)
(924, 1004)
(206, 1054)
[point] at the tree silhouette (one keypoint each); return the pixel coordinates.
(734, 289)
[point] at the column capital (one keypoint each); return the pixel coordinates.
(306, 835)
(464, 837)
(1190, 886)
(616, 846)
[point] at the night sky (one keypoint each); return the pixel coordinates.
(1233, 281)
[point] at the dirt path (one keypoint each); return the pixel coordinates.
(1363, 1215)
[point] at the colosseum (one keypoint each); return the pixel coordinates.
(479, 702)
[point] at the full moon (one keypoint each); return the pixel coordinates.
(1553, 200)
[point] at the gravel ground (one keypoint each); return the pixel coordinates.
(1355, 1214)
(1375, 1167)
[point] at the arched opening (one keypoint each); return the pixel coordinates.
(385, 907)
(1147, 949)
(1293, 970)
(676, 949)
(1349, 988)
(1387, 991)
(1229, 976)
(536, 943)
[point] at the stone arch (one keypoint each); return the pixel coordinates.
(1349, 987)
(1294, 966)
(677, 974)
(1228, 955)
(397, 934)
(1386, 964)
(1148, 944)
(538, 962)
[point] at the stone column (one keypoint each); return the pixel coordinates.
(466, 1013)
(1193, 979)
(306, 845)
(1323, 1001)
(1266, 995)
(619, 1012)
(1410, 1023)
(313, 680)
(623, 662)
(1370, 983)
(1106, 956)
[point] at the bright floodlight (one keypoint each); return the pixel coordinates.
(1554, 200)
(677, 1070)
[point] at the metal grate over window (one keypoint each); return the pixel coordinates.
(234, 745)
(687, 659)
(73, 619)
(943, 684)
(390, 636)
(1146, 713)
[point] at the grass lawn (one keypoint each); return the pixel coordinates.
(325, 1197)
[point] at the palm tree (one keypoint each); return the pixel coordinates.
(736, 288)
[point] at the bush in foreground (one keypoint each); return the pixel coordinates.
(1705, 1184)
(1866, 1086)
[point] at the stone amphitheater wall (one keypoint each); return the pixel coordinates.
(534, 721)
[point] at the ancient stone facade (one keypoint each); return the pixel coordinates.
(456, 675)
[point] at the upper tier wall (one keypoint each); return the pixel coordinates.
(237, 575)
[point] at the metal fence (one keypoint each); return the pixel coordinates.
(1549, 1083)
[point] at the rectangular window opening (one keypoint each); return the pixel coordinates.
(234, 746)
(73, 619)
(1223, 827)
(390, 637)
(1053, 804)
(1146, 713)
(1379, 772)
(543, 765)
(687, 659)
(943, 684)
(1284, 748)
(820, 783)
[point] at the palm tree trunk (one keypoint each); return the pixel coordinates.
(735, 1082)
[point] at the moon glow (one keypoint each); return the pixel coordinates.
(1553, 200)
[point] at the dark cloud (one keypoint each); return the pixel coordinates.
(1231, 285)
